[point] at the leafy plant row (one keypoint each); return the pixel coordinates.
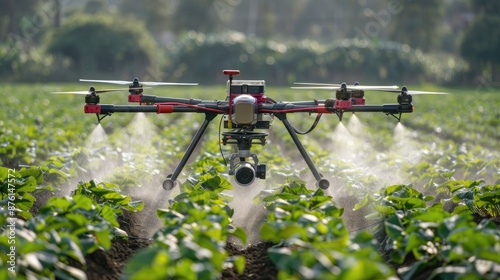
(428, 240)
(312, 240)
(474, 197)
(191, 244)
(64, 231)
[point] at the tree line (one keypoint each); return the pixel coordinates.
(63, 39)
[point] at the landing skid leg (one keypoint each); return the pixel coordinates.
(170, 182)
(320, 181)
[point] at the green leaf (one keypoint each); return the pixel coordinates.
(77, 219)
(429, 198)
(321, 228)
(137, 205)
(34, 172)
(48, 259)
(268, 233)
(64, 271)
(414, 242)
(385, 210)
(109, 215)
(57, 204)
(4, 173)
(318, 201)
(33, 262)
(449, 272)
(25, 215)
(103, 238)
(394, 228)
(150, 263)
(364, 202)
(27, 184)
(217, 184)
(240, 234)
(392, 189)
(73, 250)
(462, 210)
(360, 268)
(119, 232)
(239, 264)
(414, 270)
(489, 254)
(25, 202)
(281, 257)
(88, 244)
(83, 202)
(30, 247)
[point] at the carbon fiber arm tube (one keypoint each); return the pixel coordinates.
(386, 108)
(289, 106)
(158, 99)
(157, 108)
(204, 106)
(108, 108)
(313, 106)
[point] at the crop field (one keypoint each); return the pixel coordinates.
(418, 199)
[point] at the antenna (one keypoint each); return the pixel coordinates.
(230, 73)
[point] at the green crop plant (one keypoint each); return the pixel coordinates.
(474, 196)
(312, 241)
(191, 244)
(422, 239)
(13, 148)
(108, 194)
(17, 187)
(66, 228)
(15, 191)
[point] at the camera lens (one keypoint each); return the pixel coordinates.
(244, 174)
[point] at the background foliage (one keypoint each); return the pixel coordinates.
(103, 44)
(176, 40)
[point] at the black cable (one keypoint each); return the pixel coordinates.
(270, 100)
(316, 121)
(220, 141)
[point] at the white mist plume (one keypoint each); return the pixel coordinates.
(247, 214)
(98, 136)
(405, 144)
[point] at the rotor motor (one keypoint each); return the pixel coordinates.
(404, 99)
(92, 97)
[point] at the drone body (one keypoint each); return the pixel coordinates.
(247, 113)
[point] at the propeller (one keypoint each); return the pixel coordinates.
(136, 82)
(349, 87)
(93, 90)
(359, 87)
(317, 84)
(404, 89)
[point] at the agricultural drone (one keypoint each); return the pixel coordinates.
(246, 114)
